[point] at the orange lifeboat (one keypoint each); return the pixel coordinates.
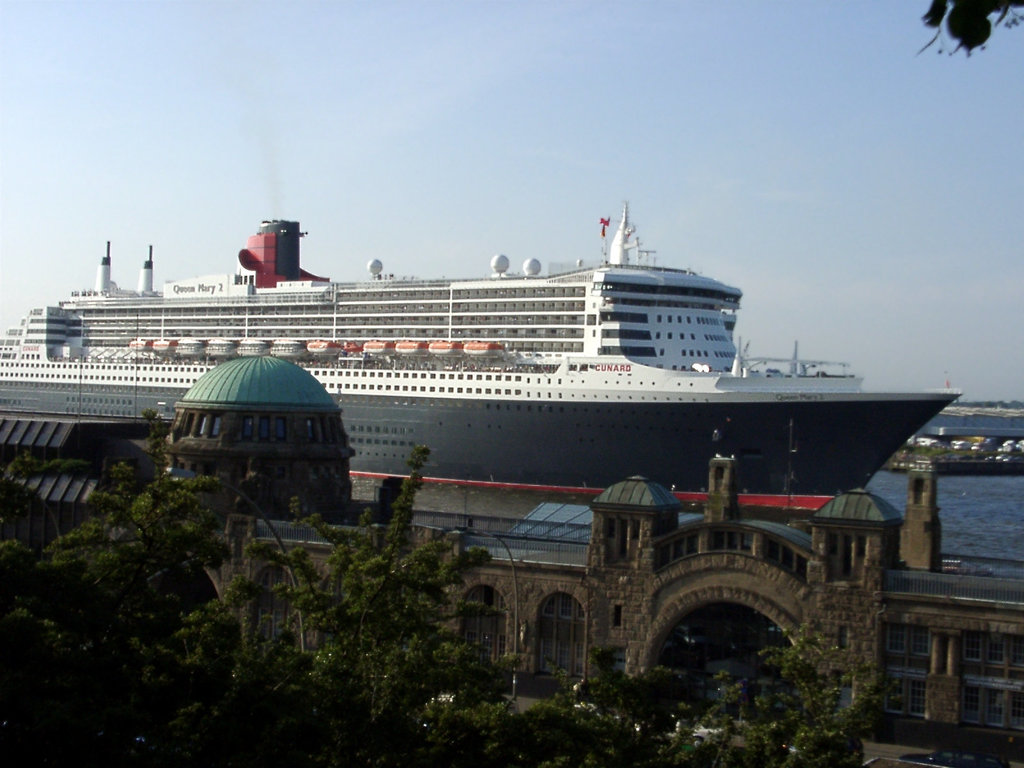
(165, 346)
(484, 348)
(140, 345)
(323, 347)
(411, 347)
(445, 347)
(352, 348)
(377, 347)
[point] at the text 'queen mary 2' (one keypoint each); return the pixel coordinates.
(566, 381)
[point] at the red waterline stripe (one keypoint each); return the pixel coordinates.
(744, 499)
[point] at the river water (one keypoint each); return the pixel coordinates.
(982, 516)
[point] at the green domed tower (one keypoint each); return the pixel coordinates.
(270, 432)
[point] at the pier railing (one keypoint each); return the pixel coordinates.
(530, 550)
(545, 530)
(981, 588)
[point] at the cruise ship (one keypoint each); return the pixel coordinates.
(566, 381)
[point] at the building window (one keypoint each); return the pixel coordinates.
(1016, 710)
(919, 641)
(280, 428)
(970, 711)
(915, 697)
(896, 641)
(995, 651)
(617, 617)
(215, 427)
(264, 428)
(1017, 650)
(247, 425)
(561, 635)
(487, 629)
(972, 646)
(994, 706)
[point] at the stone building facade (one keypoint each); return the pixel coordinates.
(858, 571)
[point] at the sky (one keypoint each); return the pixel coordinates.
(863, 194)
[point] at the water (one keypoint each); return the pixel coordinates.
(982, 516)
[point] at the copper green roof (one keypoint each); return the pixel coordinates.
(637, 491)
(859, 506)
(259, 381)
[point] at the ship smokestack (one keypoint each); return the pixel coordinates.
(146, 275)
(103, 273)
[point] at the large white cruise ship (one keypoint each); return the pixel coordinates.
(572, 380)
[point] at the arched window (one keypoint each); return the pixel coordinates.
(272, 610)
(487, 629)
(561, 633)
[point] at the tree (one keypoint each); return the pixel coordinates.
(92, 658)
(16, 497)
(388, 671)
(805, 723)
(970, 22)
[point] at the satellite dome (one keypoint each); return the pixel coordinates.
(499, 264)
(531, 267)
(374, 267)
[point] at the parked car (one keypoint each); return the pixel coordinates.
(957, 758)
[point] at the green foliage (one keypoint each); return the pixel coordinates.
(802, 724)
(612, 719)
(16, 498)
(99, 662)
(970, 22)
(387, 666)
(93, 659)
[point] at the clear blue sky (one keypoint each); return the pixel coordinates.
(865, 198)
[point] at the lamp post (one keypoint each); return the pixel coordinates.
(515, 608)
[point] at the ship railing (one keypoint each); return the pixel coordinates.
(986, 589)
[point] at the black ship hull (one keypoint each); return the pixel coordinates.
(815, 448)
(782, 447)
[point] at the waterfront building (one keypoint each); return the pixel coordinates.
(701, 588)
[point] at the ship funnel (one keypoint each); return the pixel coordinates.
(273, 254)
(103, 273)
(146, 274)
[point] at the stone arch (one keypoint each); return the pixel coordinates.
(772, 592)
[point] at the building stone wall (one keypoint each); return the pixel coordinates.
(643, 575)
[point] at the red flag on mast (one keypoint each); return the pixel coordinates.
(604, 225)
